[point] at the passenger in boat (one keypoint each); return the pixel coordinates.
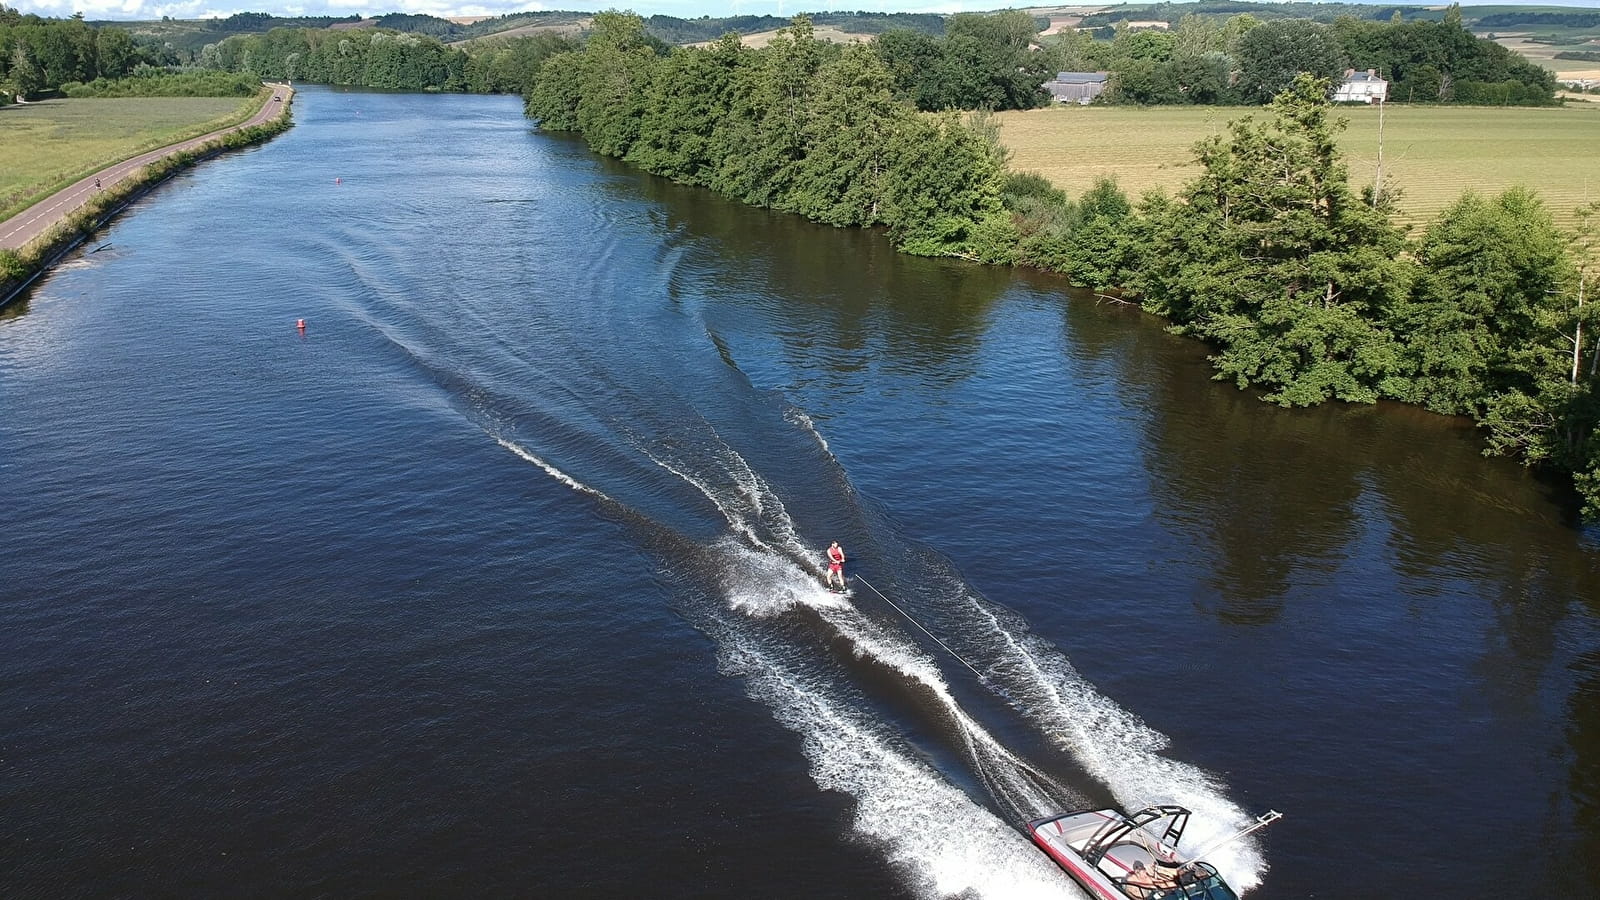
(1140, 877)
(1146, 882)
(835, 564)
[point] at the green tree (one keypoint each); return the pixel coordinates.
(944, 186)
(763, 138)
(1585, 380)
(115, 53)
(686, 103)
(1145, 82)
(1099, 253)
(1073, 51)
(616, 71)
(1273, 258)
(842, 178)
(1272, 55)
(986, 63)
(1549, 416)
(1473, 327)
(25, 77)
(553, 99)
(913, 59)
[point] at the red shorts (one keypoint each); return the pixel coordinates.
(835, 567)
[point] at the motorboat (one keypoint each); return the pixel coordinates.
(1116, 856)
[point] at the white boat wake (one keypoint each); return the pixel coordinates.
(764, 570)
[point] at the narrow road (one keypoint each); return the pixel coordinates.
(18, 230)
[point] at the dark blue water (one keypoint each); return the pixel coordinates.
(502, 579)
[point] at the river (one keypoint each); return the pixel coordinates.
(502, 578)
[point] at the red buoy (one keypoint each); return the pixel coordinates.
(300, 324)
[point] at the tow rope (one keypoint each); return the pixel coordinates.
(981, 677)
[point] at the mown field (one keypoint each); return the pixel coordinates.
(48, 145)
(1431, 153)
(1542, 52)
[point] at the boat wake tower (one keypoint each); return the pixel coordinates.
(1135, 857)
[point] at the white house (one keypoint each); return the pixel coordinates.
(1362, 87)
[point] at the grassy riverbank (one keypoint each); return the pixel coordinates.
(1431, 153)
(19, 267)
(48, 145)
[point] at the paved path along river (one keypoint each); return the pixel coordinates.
(17, 231)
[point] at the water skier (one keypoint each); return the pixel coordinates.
(836, 565)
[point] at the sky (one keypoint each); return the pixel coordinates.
(200, 9)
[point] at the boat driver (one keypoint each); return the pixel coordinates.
(1146, 883)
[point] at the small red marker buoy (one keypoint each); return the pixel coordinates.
(300, 324)
(338, 181)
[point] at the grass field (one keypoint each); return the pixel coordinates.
(1543, 54)
(48, 145)
(1432, 153)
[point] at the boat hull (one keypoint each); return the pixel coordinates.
(1055, 836)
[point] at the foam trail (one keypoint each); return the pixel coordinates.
(1119, 749)
(765, 575)
(795, 416)
(552, 471)
(946, 845)
(734, 517)
(763, 586)
(766, 584)
(756, 511)
(1027, 792)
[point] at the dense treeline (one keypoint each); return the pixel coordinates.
(161, 83)
(184, 38)
(1327, 13)
(362, 57)
(800, 125)
(1308, 291)
(1562, 19)
(1305, 287)
(1173, 13)
(450, 32)
(674, 30)
(1206, 59)
(1441, 62)
(981, 62)
(432, 26)
(38, 55)
(999, 61)
(384, 59)
(262, 22)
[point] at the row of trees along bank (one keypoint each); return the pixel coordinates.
(368, 57)
(800, 125)
(1306, 288)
